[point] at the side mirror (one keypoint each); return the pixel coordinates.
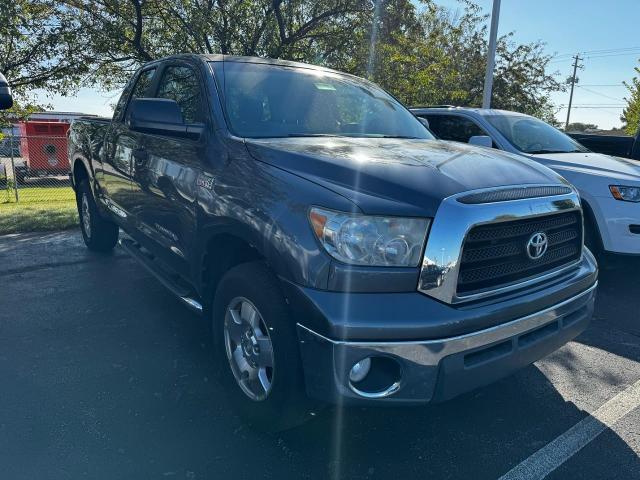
(424, 122)
(481, 141)
(6, 100)
(161, 116)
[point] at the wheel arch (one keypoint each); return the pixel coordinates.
(591, 221)
(237, 244)
(81, 171)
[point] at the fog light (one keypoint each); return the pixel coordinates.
(360, 370)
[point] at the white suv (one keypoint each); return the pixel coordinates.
(609, 186)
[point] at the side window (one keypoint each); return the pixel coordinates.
(140, 89)
(181, 84)
(454, 128)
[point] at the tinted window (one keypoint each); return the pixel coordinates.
(181, 84)
(454, 128)
(140, 89)
(275, 101)
(530, 135)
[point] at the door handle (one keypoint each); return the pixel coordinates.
(140, 156)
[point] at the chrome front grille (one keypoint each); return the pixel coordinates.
(496, 254)
(476, 250)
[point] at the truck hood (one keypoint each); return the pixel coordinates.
(592, 164)
(397, 176)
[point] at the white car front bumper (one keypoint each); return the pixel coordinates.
(617, 221)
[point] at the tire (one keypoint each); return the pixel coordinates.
(98, 233)
(283, 404)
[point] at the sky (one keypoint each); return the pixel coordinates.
(606, 31)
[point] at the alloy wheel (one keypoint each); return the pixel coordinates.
(249, 348)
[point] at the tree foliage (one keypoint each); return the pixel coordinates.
(422, 53)
(581, 127)
(441, 59)
(631, 113)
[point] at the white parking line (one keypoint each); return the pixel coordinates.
(558, 451)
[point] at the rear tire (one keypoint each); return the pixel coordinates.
(268, 398)
(98, 233)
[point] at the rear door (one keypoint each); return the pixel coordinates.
(164, 178)
(120, 147)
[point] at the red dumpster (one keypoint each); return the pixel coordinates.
(43, 144)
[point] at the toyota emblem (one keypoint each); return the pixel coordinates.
(537, 246)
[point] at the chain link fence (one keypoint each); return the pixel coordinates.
(35, 191)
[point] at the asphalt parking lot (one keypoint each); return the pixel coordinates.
(105, 375)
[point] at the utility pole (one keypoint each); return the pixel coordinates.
(576, 59)
(491, 55)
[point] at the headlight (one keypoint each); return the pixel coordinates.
(368, 240)
(626, 194)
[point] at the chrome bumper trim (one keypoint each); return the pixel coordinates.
(433, 351)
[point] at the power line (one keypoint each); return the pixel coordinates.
(606, 50)
(598, 93)
(597, 54)
(613, 55)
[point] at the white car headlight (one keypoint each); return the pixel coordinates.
(626, 194)
(370, 240)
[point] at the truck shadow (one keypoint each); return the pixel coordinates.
(479, 435)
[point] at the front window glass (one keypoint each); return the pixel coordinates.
(181, 84)
(274, 101)
(530, 135)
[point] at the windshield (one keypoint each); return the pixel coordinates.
(530, 135)
(275, 101)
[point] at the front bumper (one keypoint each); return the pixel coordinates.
(617, 222)
(437, 370)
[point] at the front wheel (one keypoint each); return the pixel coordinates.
(257, 349)
(98, 233)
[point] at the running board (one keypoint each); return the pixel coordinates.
(185, 295)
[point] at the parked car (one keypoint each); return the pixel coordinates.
(340, 253)
(609, 186)
(617, 145)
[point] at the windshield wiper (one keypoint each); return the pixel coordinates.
(312, 135)
(398, 136)
(535, 152)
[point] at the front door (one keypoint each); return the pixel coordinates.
(166, 173)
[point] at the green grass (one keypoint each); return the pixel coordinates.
(38, 209)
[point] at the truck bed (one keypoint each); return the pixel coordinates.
(86, 135)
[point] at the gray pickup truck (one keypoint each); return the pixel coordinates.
(339, 251)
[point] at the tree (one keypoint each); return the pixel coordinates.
(37, 51)
(441, 59)
(581, 127)
(631, 113)
(39, 46)
(419, 51)
(121, 35)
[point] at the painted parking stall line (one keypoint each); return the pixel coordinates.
(558, 451)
